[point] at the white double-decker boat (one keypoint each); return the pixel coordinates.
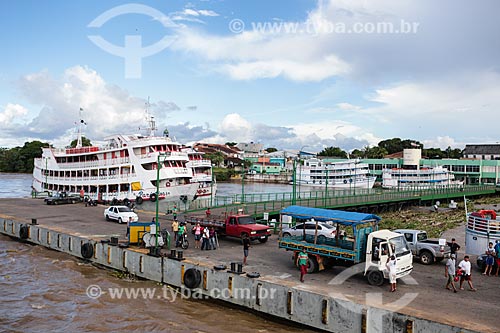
(344, 174)
(127, 168)
(427, 177)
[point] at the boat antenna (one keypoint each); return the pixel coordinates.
(80, 125)
(150, 120)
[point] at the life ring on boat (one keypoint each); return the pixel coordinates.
(139, 200)
(345, 181)
(152, 197)
(167, 184)
(87, 250)
(192, 278)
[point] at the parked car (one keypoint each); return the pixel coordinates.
(61, 198)
(427, 249)
(481, 263)
(120, 214)
(324, 230)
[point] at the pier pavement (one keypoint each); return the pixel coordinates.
(424, 291)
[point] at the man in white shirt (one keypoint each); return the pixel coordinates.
(465, 266)
(391, 267)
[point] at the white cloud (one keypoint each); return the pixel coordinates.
(108, 109)
(12, 112)
(461, 106)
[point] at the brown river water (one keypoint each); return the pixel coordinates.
(45, 291)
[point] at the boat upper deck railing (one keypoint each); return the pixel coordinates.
(87, 164)
(200, 163)
(483, 226)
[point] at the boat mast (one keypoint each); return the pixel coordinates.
(79, 135)
(150, 120)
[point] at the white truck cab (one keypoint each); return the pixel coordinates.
(380, 246)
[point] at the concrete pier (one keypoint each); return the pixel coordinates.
(277, 297)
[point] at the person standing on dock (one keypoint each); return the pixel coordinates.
(449, 272)
(302, 259)
(391, 267)
(174, 212)
(464, 265)
(128, 226)
(497, 251)
(454, 247)
(490, 259)
(246, 247)
(211, 232)
(175, 229)
(208, 212)
(205, 239)
(197, 235)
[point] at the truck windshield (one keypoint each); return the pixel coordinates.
(399, 246)
(246, 220)
(421, 236)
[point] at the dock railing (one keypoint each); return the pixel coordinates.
(257, 203)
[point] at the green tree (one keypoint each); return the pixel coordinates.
(396, 145)
(217, 158)
(85, 142)
(375, 152)
(356, 153)
(433, 153)
(20, 159)
(333, 152)
(271, 150)
(231, 144)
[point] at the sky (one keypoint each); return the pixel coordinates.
(290, 74)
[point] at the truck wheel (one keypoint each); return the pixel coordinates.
(243, 235)
(426, 258)
(287, 234)
(375, 278)
(312, 266)
(263, 240)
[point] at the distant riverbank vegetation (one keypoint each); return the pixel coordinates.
(20, 159)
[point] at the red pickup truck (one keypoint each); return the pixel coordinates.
(234, 225)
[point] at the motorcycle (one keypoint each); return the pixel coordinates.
(183, 242)
(90, 202)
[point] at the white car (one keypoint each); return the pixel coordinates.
(324, 230)
(121, 214)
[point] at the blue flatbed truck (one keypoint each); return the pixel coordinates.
(361, 242)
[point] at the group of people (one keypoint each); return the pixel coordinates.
(461, 273)
(493, 254)
(206, 235)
